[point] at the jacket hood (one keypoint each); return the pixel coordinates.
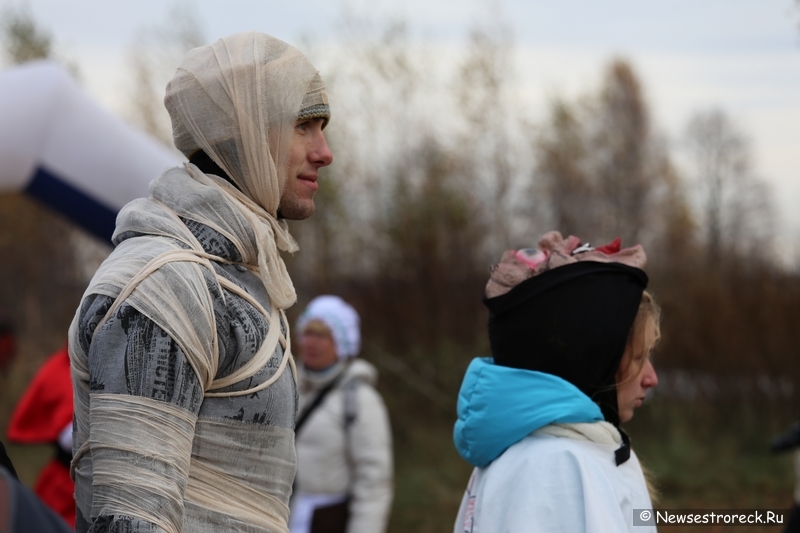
(362, 370)
(213, 202)
(572, 322)
(499, 406)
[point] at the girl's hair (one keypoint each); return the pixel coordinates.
(648, 309)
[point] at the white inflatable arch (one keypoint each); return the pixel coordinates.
(60, 147)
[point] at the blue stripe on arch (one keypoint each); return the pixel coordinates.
(92, 215)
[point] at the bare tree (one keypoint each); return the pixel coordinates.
(487, 147)
(735, 205)
(625, 172)
(23, 39)
(797, 5)
(561, 150)
(154, 55)
(603, 171)
(376, 80)
(400, 226)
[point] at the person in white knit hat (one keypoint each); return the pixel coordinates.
(344, 448)
(184, 383)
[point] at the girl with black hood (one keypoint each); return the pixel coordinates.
(571, 329)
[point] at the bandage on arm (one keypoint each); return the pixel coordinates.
(144, 402)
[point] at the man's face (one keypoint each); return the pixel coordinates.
(310, 152)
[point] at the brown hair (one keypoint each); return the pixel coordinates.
(648, 308)
(317, 327)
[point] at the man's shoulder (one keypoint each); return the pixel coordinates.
(135, 244)
(145, 259)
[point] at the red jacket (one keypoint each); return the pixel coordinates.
(42, 413)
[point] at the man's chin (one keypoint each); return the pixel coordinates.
(296, 211)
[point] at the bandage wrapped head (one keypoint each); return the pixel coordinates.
(340, 318)
(566, 309)
(238, 100)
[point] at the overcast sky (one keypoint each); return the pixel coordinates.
(741, 55)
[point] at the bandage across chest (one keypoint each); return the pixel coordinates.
(231, 466)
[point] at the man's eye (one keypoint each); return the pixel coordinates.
(302, 125)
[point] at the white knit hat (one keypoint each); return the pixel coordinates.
(340, 317)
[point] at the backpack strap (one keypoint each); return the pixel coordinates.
(350, 399)
(301, 420)
(350, 402)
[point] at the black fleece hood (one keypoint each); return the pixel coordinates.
(572, 322)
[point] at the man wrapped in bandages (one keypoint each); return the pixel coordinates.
(185, 389)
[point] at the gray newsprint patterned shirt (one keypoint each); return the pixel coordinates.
(132, 355)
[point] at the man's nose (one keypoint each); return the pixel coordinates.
(321, 154)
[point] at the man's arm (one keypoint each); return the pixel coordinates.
(144, 399)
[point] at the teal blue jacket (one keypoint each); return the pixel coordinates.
(499, 406)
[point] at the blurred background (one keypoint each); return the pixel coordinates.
(460, 130)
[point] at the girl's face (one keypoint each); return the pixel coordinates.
(636, 373)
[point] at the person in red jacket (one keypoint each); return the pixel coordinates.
(44, 416)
